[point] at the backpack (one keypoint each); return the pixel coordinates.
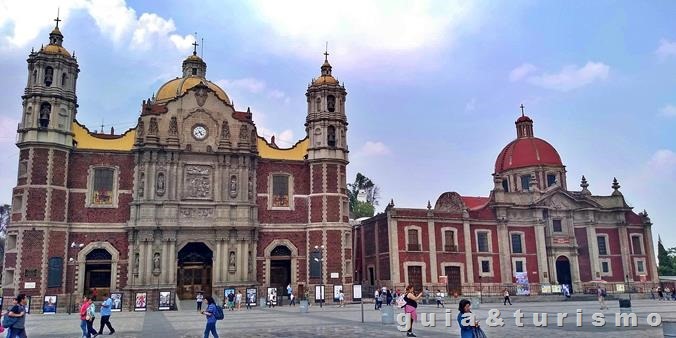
(400, 301)
(218, 313)
(8, 322)
(603, 292)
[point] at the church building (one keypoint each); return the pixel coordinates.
(531, 234)
(190, 200)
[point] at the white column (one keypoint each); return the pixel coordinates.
(433, 251)
(650, 251)
(217, 268)
(394, 250)
(149, 263)
(624, 250)
(592, 243)
(245, 261)
(469, 263)
(141, 265)
(541, 246)
(505, 253)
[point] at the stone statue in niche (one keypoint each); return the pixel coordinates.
(156, 263)
(160, 184)
(153, 128)
(173, 126)
(225, 131)
(250, 190)
(140, 130)
(233, 186)
(231, 261)
(141, 183)
(136, 260)
(243, 133)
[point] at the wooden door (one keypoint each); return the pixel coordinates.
(454, 280)
(415, 278)
(193, 279)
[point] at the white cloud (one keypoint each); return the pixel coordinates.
(668, 111)
(8, 125)
(356, 29)
(253, 86)
(23, 21)
(663, 162)
(666, 49)
(520, 72)
(569, 78)
(371, 148)
(470, 106)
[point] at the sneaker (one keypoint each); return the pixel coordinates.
(410, 334)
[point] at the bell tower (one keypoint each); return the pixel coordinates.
(49, 100)
(326, 128)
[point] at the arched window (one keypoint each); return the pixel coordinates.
(331, 137)
(331, 103)
(64, 77)
(45, 112)
(280, 250)
(99, 255)
(49, 75)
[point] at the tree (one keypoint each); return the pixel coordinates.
(365, 208)
(667, 260)
(5, 211)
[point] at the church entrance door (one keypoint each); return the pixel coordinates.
(280, 270)
(194, 270)
(98, 273)
(563, 272)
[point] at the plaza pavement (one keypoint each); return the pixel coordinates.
(331, 321)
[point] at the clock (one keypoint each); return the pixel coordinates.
(199, 132)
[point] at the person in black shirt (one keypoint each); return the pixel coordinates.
(18, 311)
(411, 300)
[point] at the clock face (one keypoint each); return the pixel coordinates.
(199, 132)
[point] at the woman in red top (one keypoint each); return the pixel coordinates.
(86, 319)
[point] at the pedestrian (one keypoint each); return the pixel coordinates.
(210, 313)
(506, 293)
(106, 307)
(238, 300)
(411, 300)
(18, 311)
(199, 299)
(292, 299)
(464, 310)
(87, 316)
(440, 299)
(376, 297)
(341, 298)
(660, 293)
(601, 293)
(289, 291)
(273, 300)
(388, 297)
(231, 301)
(427, 296)
(652, 293)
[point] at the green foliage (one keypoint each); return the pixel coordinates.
(667, 260)
(363, 209)
(360, 208)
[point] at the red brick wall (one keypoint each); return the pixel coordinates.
(317, 176)
(10, 260)
(615, 254)
(333, 257)
(78, 213)
(58, 168)
(333, 208)
(39, 169)
(315, 238)
(80, 162)
(316, 207)
(31, 259)
(116, 239)
(297, 215)
(58, 206)
(495, 254)
(332, 178)
(301, 182)
(35, 204)
(584, 259)
(383, 236)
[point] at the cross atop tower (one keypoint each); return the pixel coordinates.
(195, 44)
(522, 110)
(58, 10)
(326, 52)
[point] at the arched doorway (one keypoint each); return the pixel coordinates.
(97, 273)
(563, 272)
(280, 269)
(195, 262)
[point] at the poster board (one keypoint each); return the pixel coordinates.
(226, 292)
(522, 286)
(252, 296)
(556, 288)
(545, 288)
(356, 292)
(165, 301)
(117, 302)
(336, 292)
(140, 302)
(319, 294)
(272, 296)
(49, 305)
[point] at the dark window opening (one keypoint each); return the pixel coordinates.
(556, 225)
(55, 271)
(605, 267)
(603, 249)
(525, 182)
(505, 185)
(485, 266)
(45, 112)
(551, 180)
(315, 264)
(636, 245)
(516, 243)
(518, 266)
(413, 244)
(64, 77)
(194, 71)
(49, 75)
(331, 136)
(482, 241)
(331, 103)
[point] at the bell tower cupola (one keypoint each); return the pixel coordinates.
(49, 100)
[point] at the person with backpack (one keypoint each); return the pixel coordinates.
(213, 312)
(15, 318)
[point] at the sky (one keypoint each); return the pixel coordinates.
(434, 87)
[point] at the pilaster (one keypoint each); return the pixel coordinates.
(469, 263)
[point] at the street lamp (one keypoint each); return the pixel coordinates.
(481, 291)
(71, 261)
(319, 258)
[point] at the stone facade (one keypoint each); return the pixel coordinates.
(191, 199)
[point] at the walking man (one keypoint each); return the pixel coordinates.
(376, 296)
(601, 293)
(199, 300)
(18, 310)
(293, 299)
(231, 301)
(106, 307)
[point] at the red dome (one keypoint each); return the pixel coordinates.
(527, 152)
(523, 118)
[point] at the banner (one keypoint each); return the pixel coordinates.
(522, 286)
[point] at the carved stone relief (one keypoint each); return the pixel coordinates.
(250, 187)
(173, 126)
(153, 129)
(197, 182)
(201, 95)
(160, 185)
(243, 133)
(197, 212)
(141, 183)
(225, 131)
(140, 129)
(233, 186)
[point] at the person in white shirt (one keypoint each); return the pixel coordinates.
(238, 300)
(376, 296)
(341, 298)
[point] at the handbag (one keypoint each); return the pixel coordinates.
(477, 332)
(8, 322)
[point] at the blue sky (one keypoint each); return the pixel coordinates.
(433, 86)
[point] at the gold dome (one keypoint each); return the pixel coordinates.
(325, 79)
(54, 49)
(178, 86)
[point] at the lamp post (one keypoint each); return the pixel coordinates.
(71, 261)
(481, 291)
(319, 257)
